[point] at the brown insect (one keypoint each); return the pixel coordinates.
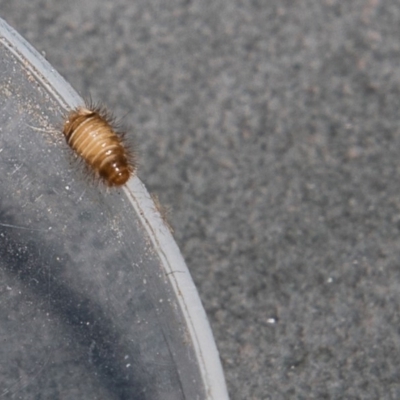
(90, 132)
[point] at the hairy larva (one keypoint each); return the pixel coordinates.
(90, 133)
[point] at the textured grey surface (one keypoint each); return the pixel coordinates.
(272, 130)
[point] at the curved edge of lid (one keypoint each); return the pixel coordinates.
(185, 290)
(166, 247)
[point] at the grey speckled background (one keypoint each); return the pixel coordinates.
(272, 129)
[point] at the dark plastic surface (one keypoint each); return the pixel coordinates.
(88, 308)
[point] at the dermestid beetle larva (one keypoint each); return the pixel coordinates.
(90, 131)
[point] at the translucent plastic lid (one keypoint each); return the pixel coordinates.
(95, 299)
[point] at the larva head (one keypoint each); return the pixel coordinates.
(115, 174)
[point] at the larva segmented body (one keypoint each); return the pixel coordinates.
(88, 130)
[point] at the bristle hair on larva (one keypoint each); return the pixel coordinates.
(92, 133)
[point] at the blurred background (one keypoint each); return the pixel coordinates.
(271, 130)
